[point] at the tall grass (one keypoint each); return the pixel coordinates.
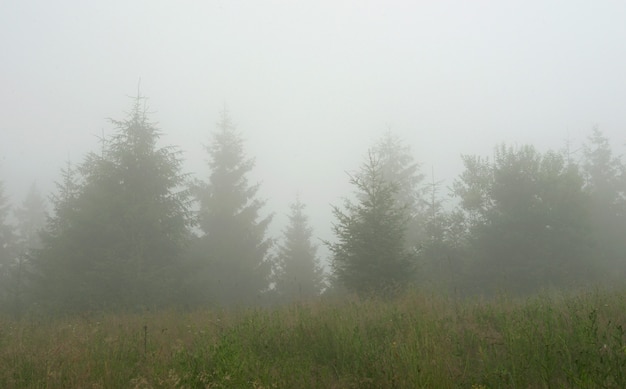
(419, 340)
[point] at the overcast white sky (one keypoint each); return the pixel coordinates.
(310, 84)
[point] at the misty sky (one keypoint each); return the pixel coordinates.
(311, 85)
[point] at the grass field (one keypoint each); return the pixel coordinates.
(417, 341)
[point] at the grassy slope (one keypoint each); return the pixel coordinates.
(416, 341)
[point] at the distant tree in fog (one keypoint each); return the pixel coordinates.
(399, 166)
(120, 224)
(370, 255)
(8, 254)
(528, 220)
(64, 202)
(31, 218)
(299, 274)
(230, 257)
(605, 181)
(443, 247)
(53, 281)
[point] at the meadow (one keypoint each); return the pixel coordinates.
(420, 340)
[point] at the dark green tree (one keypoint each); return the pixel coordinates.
(442, 252)
(64, 202)
(299, 274)
(605, 182)
(231, 255)
(53, 283)
(370, 256)
(528, 220)
(399, 166)
(117, 239)
(31, 219)
(8, 254)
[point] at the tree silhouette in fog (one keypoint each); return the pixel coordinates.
(399, 166)
(231, 254)
(299, 274)
(605, 182)
(8, 254)
(30, 219)
(120, 224)
(370, 255)
(528, 220)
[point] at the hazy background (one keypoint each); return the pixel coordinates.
(311, 85)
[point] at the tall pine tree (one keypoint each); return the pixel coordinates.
(31, 218)
(299, 274)
(528, 221)
(605, 176)
(117, 237)
(442, 248)
(54, 284)
(8, 253)
(231, 255)
(370, 256)
(399, 166)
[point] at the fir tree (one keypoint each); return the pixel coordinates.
(299, 274)
(55, 280)
(370, 256)
(8, 255)
(31, 218)
(231, 255)
(117, 236)
(528, 221)
(399, 166)
(605, 176)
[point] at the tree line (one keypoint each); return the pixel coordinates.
(129, 230)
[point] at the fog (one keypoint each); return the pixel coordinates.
(310, 85)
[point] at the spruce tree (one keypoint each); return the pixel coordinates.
(399, 166)
(118, 235)
(55, 279)
(370, 256)
(8, 253)
(231, 255)
(605, 176)
(299, 274)
(154, 215)
(7, 230)
(442, 248)
(31, 218)
(528, 221)
(64, 202)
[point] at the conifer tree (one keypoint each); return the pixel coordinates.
(605, 176)
(120, 224)
(299, 274)
(528, 221)
(231, 255)
(370, 256)
(8, 253)
(31, 218)
(56, 278)
(7, 231)
(399, 166)
(64, 202)
(442, 247)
